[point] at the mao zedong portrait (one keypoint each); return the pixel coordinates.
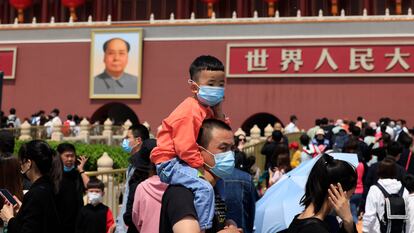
(114, 79)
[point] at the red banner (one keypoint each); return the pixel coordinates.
(276, 60)
(8, 62)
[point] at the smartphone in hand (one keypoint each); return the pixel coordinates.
(8, 196)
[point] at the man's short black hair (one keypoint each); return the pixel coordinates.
(204, 62)
(277, 135)
(318, 122)
(95, 183)
(355, 130)
(394, 149)
(140, 131)
(387, 168)
(70, 117)
(12, 111)
(6, 141)
(65, 147)
(293, 118)
(204, 135)
(56, 111)
(360, 118)
(105, 45)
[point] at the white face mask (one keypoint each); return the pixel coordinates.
(94, 198)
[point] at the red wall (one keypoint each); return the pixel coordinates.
(57, 75)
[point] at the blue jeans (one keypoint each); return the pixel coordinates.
(177, 172)
(355, 201)
(120, 225)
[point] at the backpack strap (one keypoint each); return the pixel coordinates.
(408, 160)
(386, 194)
(401, 192)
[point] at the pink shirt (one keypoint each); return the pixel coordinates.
(360, 185)
(146, 209)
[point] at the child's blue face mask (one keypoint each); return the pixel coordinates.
(209, 95)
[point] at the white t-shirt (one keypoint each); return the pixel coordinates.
(291, 128)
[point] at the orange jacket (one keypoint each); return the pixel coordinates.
(178, 136)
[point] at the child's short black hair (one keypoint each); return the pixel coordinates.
(205, 62)
(409, 182)
(95, 183)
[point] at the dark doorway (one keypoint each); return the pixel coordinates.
(261, 120)
(117, 112)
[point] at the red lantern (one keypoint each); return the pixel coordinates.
(20, 5)
(210, 4)
(72, 5)
(334, 7)
(271, 7)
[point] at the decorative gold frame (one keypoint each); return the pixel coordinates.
(139, 31)
(14, 50)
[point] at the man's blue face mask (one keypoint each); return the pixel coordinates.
(125, 145)
(224, 163)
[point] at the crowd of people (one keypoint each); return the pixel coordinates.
(385, 168)
(195, 177)
(70, 125)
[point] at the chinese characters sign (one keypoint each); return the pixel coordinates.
(274, 60)
(8, 62)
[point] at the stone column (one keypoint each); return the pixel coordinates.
(25, 132)
(107, 132)
(126, 126)
(268, 130)
(84, 130)
(105, 163)
(56, 131)
(255, 134)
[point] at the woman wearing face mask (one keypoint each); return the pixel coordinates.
(72, 183)
(37, 213)
(10, 178)
(329, 187)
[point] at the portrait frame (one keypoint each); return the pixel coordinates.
(12, 50)
(134, 36)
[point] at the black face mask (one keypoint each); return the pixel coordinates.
(24, 174)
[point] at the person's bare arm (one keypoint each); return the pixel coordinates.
(187, 225)
(82, 161)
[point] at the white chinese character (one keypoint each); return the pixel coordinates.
(289, 56)
(256, 61)
(397, 57)
(363, 57)
(326, 57)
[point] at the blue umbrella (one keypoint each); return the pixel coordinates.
(277, 208)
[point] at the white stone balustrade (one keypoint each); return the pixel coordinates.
(25, 132)
(57, 134)
(107, 132)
